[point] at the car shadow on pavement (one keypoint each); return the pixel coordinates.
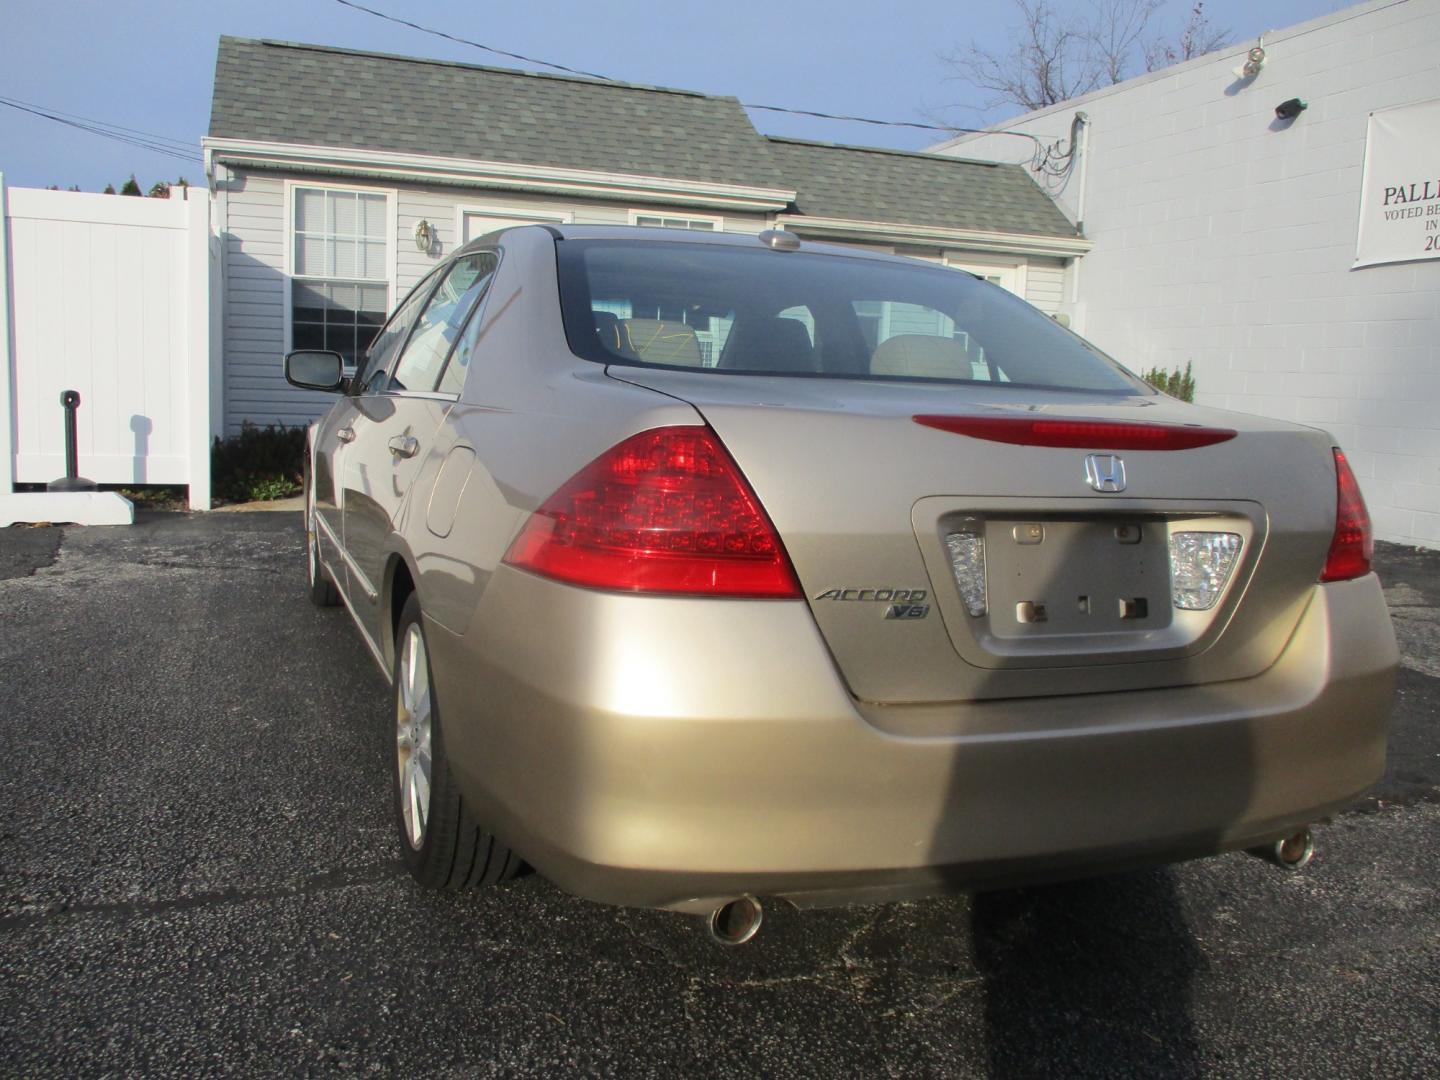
(1089, 977)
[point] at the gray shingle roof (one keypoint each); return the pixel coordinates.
(866, 184)
(273, 91)
(283, 92)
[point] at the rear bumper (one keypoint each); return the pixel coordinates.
(677, 753)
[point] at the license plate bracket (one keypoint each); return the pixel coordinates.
(1067, 577)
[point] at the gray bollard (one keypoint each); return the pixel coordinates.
(72, 480)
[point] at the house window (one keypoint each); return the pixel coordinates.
(667, 221)
(340, 286)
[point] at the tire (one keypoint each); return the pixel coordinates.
(443, 845)
(322, 590)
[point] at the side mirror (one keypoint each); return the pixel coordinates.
(315, 369)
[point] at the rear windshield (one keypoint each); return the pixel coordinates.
(704, 307)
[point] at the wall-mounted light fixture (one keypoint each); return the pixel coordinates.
(424, 234)
(1254, 61)
(1288, 110)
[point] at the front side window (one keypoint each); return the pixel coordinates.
(803, 313)
(339, 270)
(370, 379)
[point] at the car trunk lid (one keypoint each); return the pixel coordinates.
(1076, 585)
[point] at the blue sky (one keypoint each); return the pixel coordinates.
(149, 65)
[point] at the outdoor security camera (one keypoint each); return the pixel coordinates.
(1288, 110)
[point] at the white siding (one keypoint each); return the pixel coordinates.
(253, 237)
(442, 206)
(1225, 239)
(1045, 283)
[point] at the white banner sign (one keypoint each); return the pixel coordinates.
(1400, 194)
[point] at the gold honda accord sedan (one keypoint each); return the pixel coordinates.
(709, 568)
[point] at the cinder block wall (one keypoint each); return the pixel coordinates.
(1225, 239)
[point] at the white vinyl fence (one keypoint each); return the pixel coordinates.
(110, 296)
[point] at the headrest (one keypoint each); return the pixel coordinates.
(922, 356)
(772, 344)
(657, 342)
(605, 326)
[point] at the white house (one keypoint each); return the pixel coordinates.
(1226, 236)
(340, 177)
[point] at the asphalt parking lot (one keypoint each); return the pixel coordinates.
(198, 876)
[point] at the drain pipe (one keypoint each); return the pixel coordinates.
(1080, 142)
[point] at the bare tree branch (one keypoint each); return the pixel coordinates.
(1115, 29)
(1044, 62)
(1053, 56)
(1197, 37)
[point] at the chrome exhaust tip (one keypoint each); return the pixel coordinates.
(736, 922)
(1292, 852)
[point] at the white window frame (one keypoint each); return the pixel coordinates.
(1010, 269)
(535, 217)
(718, 223)
(392, 226)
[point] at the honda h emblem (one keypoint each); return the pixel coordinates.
(1106, 472)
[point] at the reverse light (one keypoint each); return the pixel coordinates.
(967, 563)
(1200, 566)
(1353, 544)
(665, 511)
(1079, 434)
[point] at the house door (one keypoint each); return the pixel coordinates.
(1009, 274)
(477, 221)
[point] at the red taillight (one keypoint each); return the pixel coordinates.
(1079, 434)
(666, 511)
(1353, 543)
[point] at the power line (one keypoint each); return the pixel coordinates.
(109, 131)
(868, 120)
(474, 44)
(187, 146)
(606, 78)
(169, 147)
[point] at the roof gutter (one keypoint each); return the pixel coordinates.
(1064, 247)
(465, 172)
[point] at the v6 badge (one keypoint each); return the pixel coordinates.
(907, 611)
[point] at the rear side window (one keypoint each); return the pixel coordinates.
(439, 325)
(737, 310)
(452, 379)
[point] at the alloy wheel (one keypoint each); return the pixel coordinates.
(412, 735)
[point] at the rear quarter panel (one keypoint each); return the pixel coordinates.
(531, 415)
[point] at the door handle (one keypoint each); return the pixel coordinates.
(345, 434)
(404, 446)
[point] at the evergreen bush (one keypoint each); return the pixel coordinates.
(1177, 383)
(258, 463)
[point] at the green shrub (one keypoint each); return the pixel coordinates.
(1177, 383)
(259, 463)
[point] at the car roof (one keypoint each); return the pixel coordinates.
(685, 236)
